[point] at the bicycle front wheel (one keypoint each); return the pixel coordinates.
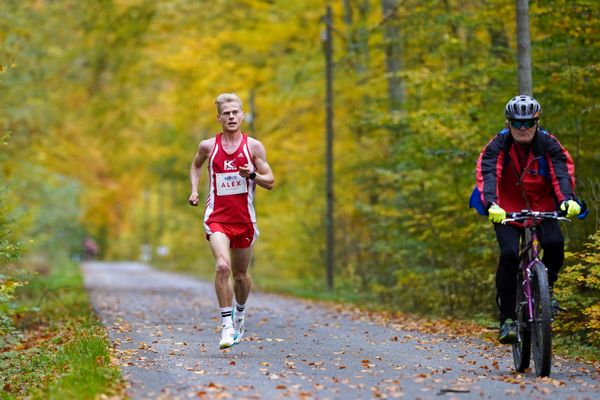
(522, 349)
(541, 330)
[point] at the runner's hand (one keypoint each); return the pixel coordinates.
(496, 213)
(245, 171)
(571, 207)
(194, 198)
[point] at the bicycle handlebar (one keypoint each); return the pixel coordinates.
(535, 215)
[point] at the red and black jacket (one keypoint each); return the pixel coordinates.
(546, 179)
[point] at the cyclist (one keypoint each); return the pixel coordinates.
(236, 164)
(523, 167)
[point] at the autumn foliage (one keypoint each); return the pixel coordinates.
(106, 101)
(579, 290)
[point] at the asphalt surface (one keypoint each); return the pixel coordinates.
(165, 331)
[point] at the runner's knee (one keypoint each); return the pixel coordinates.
(223, 267)
(240, 276)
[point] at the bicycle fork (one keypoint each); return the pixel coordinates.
(533, 253)
(526, 287)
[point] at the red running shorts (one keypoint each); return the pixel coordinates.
(241, 236)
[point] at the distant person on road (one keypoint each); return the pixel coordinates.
(236, 164)
(90, 249)
(524, 167)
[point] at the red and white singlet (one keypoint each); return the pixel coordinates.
(231, 197)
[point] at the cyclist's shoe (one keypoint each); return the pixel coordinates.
(508, 331)
(227, 337)
(554, 306)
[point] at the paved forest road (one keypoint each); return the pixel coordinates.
(165, 332)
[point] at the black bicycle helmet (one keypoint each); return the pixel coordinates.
(523, 107)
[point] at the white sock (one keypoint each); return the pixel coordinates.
(239, 310)
(226, 315)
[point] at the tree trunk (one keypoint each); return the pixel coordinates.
(358, 42)
(524, 48)
(393, 54)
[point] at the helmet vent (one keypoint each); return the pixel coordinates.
(522, 107)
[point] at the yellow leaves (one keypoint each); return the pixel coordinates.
(593, 323)
(189, 54)
(578, 290)
(143, 346)
(8, 286)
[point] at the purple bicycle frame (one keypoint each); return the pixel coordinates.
(532, 257)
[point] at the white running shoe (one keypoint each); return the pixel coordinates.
(238, 326)
(227, 337)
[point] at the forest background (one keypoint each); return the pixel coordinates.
(103, 103)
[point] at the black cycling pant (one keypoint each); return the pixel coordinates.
(552, 241)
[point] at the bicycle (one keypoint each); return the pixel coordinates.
(533, 303)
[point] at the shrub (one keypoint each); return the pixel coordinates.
(9, 251)
(578, 289)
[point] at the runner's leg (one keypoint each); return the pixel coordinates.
(219, 244)
(242, 283)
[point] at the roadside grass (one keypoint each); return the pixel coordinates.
(62, 351)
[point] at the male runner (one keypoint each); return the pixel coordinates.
(236, 164)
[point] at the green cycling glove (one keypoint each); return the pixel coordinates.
(571, 207)
(496, 213)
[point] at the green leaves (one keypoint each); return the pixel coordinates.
(9, 251)
(579, 290)
(9, 282)
(106, 104)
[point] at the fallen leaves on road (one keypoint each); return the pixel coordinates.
(324, 359)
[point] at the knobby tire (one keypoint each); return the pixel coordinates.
(522, 349)
(541, 329)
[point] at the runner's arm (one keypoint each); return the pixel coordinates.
(200, 158)
(264, 175)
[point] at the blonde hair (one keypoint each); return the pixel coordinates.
(227, 98)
